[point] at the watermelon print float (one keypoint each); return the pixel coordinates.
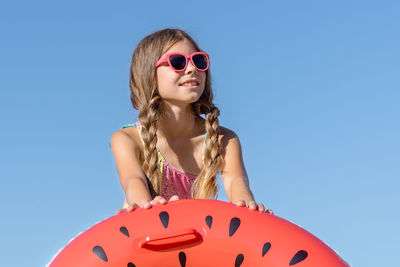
(194, 233)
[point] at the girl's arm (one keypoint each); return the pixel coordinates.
(133, 181)
(234, 176)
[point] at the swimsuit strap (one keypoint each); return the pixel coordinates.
(128, 125)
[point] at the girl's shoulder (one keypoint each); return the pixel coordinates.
(228, 140)
(225, 132)
(128, 135)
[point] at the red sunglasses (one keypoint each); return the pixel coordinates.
(179, 62)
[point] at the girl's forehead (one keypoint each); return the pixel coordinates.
(184, 47)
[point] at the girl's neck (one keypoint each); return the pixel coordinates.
(177, 121)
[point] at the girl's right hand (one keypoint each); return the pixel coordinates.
(146, 204)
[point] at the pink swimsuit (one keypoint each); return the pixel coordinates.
(174, 181)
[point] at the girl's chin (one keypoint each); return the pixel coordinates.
(182, 101)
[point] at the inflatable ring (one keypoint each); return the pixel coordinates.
(187, 233)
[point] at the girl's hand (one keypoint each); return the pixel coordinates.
(159, 200)
(147, 204)
(252, 205)
(129, 209)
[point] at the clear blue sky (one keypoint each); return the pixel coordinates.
(310, 87)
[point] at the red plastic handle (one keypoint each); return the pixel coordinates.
(169, 240)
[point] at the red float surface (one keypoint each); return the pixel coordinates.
(196, 233)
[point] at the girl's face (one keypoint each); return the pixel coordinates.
(179, 87)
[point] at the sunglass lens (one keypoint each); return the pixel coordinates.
(200, 61)
(178, 61)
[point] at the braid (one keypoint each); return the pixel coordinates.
(148, 119)
(205, 186)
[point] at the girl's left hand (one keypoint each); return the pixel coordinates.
(252, 205)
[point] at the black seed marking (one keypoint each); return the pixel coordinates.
(124, 231)
(164, 217)
(239, 260)
(99, 251)
(300, 256)
(266, 247)
(209, 221)
(182, 259)
(234, 225)
(131, 264)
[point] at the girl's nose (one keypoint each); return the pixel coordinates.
(190, 67)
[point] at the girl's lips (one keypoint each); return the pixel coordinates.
(190, 85)
(190, 81)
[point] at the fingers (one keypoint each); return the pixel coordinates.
(132, 207)
(240, 203)
(261, 207)
(269, 211)
(174, 198)
(252, 205)
(129, 209)
(158, 200)
(145, 204)
(121, 211)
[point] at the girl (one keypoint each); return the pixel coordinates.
(172, 152)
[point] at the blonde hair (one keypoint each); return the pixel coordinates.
(145, 98)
